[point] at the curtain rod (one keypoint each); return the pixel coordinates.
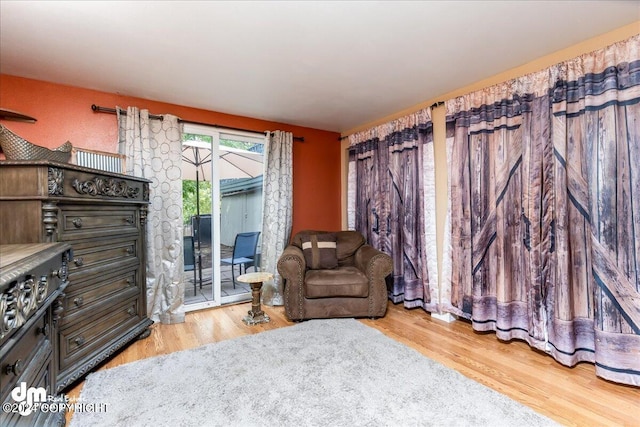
(98, 109)
(434, 105)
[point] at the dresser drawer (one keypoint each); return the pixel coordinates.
(38, 376)
(81, 340)
(23, 355)
(79, 222)
(99, 256)
(103, 187)
(84, 297)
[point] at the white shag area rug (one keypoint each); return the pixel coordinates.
(336, 372)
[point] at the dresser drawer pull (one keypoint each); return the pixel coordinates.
(59, 273)
(44, 330)
(79, 261)
(77, 222)
(15, 369)
(129, 220)
(129, 282)
(79, 341)
(78, 301)
(131, 311)
(129, 251)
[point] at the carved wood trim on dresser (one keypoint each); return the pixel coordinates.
(33, 278)
(102, 215)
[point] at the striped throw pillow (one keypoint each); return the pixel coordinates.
(320, 251)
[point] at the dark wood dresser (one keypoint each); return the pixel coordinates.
(33, 278)
(102, 215)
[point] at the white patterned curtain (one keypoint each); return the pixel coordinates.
(277, 212)
(154, 151)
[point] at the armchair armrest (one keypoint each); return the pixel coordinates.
(291, 263)
(292, 267)
(377, 266)
(374, 263)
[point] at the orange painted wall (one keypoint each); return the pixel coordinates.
(64, 113)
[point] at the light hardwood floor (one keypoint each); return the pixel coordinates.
(571, 396)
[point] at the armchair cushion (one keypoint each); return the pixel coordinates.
(340, 282)
(347, 243)
(320, 251)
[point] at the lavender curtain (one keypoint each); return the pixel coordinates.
(391, 197)
(544, 210)
(154, 151)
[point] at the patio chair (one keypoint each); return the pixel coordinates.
(201, 226)
(244, 253)
(190, 259)
(202, 230)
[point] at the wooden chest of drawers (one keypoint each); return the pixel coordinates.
(102, 216)
(32, 281)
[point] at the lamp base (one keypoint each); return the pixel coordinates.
(256, 318)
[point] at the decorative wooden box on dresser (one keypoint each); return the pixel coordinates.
(33, 278)
(102, 215)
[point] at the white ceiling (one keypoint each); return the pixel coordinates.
(331, 65)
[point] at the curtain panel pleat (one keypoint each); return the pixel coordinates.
(154, 151)
(544, 215)
(390, 178)
(277, 211)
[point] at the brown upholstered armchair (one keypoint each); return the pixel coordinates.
(333, 274)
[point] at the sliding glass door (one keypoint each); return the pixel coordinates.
(222, 199)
